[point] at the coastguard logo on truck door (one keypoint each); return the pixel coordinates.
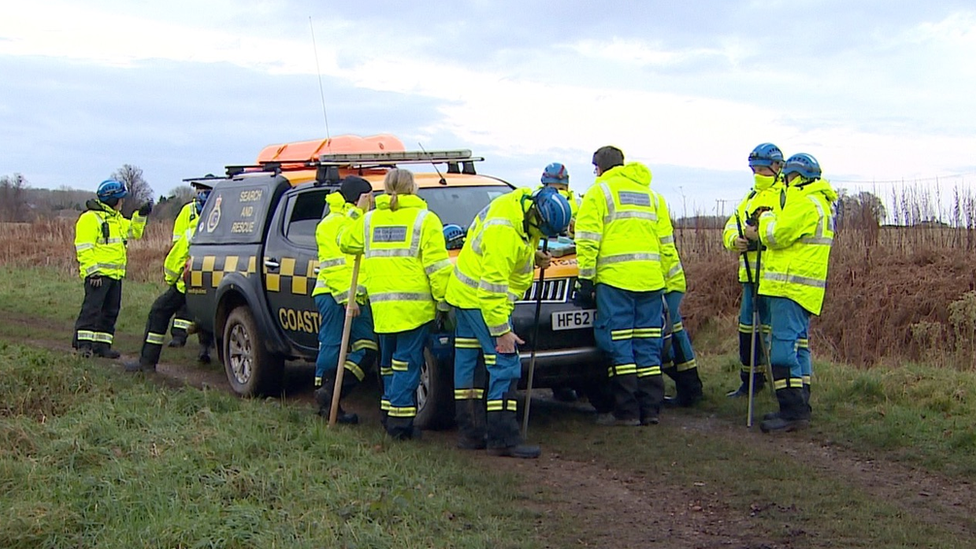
(214, 218)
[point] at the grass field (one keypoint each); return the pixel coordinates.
(92, 457)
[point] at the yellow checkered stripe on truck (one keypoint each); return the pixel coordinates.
(291, 278)
(209, 270)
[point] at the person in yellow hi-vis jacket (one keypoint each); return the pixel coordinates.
(619, 256)
(101, 236)
(185, 226)
(408, 268)
(331, 296)
(798, 236)
(493, 270)
(765, 161)
(679, 363)
(165, 306)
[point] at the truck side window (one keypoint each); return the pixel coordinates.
(307, 210)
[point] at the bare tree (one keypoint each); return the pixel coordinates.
(14, 205)
(139, 190)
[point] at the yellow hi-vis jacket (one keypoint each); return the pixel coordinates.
(175, 264)
(406, 259)
(616, 231)
(335, 267)
(671, 268)
(768, 197)
(798, 238)
(495, 266)
(186, 220)
(97, 253)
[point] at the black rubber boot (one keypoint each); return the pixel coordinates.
(136, 366)
(523, 451)
(203, 356)
(743, 390)
(323, 397)
(470, 413)
(105, 351)
(793, 414)
(176, 342)
(688, 388)
(650, 394)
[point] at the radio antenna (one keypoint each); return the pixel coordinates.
(434, 164)
(315, 48)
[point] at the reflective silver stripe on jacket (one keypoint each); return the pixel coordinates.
(528, 267)
(667, 240)
(367, 234)
(795, 279)
(587, 273)
(400, 296)
(83, 247)
(172, 273)
(586, 235)
(640, 256)
(442, 264)
(818, 239)
(675, 270)
(104, 267)
(500, 221)
(465, 279)
(770, 229)
(329, 263)
(493, 288)
(647, 216)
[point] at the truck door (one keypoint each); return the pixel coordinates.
(290, 266)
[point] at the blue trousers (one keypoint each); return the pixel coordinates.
(746, 310)
(471, 340)
(629, 327)
(679, 362)
(791, 325)
(362, 347)
(406, 353)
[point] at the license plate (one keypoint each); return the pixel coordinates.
(573, 320)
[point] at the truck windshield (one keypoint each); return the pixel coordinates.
(459, 205)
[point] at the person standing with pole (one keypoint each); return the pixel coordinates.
(493, 270)
(408, 268)
(333, 286)
(798, 236)
(765, 161)
(619, 256)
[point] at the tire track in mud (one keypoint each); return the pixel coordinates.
(611, 507)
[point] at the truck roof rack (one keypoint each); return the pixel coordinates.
(327, 166)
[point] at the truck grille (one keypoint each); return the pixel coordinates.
(553, 291)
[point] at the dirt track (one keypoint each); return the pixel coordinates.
(612, 507)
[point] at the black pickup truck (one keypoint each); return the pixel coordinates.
(253, 265)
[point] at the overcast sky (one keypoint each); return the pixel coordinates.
(876, 90)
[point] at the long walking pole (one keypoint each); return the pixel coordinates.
(755, 320)
(344, 350)
(535, 342)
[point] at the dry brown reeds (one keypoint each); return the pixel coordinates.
(49, 244)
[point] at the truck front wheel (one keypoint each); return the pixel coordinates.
(251, 369)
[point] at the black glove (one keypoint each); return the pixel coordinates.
(585, 296)
(146, 209)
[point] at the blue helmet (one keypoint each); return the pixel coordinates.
(454, 236)
(554, 210)
(555, 173)
(111, 189)
(764, 155)
(804, 164)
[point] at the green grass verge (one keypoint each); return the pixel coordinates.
(90, 457)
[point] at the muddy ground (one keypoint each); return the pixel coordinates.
(612, 507)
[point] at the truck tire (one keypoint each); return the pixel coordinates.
(435, 394)
(251, 369)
